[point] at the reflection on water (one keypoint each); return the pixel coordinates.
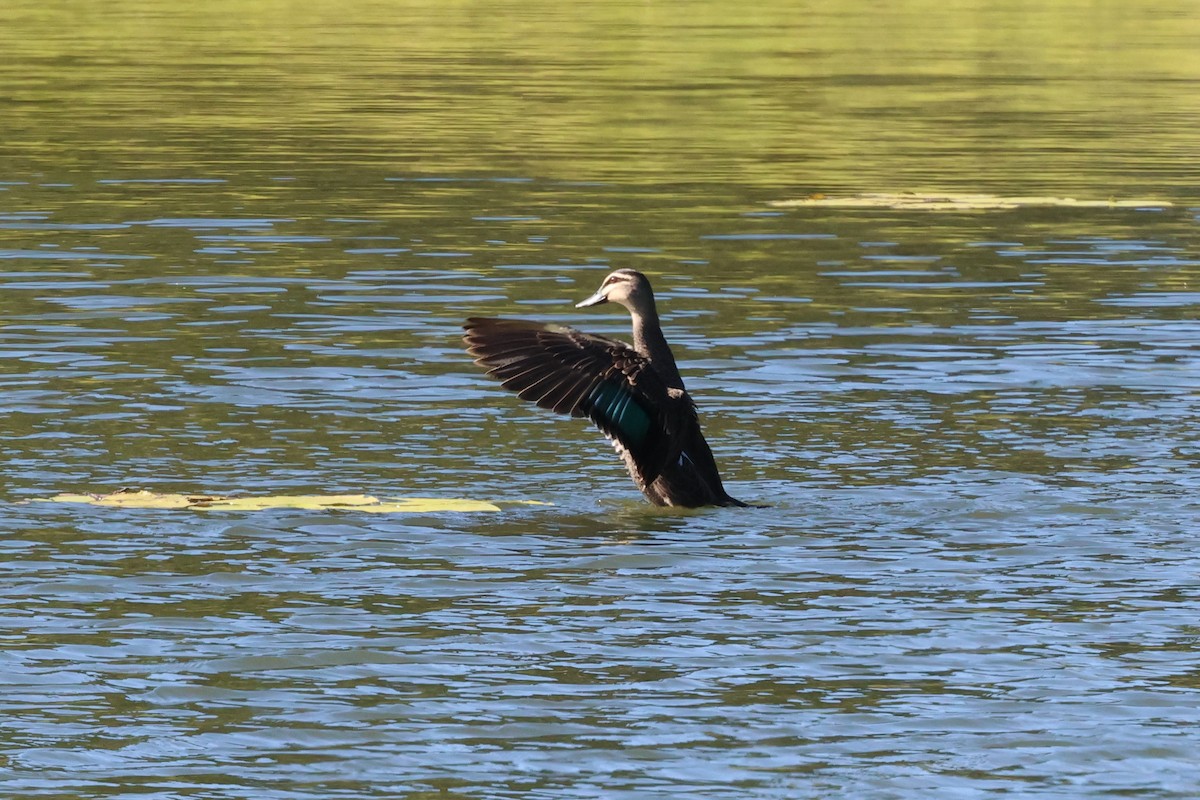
(235, 252)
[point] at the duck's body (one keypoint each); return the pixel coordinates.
(635, 395)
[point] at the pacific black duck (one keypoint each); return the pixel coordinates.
(635, 395)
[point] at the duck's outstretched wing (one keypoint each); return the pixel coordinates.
(576, 373)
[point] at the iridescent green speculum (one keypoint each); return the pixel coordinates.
(622, 410)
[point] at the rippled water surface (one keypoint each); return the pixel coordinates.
(237, 243)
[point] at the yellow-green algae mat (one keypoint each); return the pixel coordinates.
(959, 202)
(133, 498)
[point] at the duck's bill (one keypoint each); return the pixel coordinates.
(594, 300)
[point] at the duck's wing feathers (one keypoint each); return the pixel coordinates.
(576, 373)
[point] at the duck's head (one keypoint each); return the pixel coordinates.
(627, 287)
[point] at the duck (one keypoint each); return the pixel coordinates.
(633, 393)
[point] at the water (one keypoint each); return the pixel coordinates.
(237, 242)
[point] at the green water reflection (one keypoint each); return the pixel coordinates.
(782, 96)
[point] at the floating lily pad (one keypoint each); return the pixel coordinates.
(959, 202)
(132, 498)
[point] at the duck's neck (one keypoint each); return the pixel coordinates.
(648, 340)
